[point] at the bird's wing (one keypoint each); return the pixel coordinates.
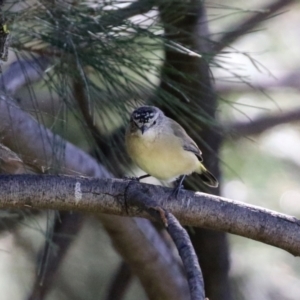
(187, 143)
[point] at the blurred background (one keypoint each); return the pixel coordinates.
(256, 76)
(263, 169)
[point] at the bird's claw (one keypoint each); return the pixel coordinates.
(176, 191)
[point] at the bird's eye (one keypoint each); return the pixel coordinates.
(154, 122)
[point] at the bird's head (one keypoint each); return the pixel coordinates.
(145, 118)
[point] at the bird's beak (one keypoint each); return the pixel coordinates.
(143, 129)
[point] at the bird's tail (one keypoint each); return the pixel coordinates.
(208, 178)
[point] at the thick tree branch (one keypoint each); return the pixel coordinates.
(248, 24)
(39, 147)
(120, 282)
(193, 209)
(22, 72)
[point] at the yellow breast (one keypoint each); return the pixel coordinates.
(160, 155)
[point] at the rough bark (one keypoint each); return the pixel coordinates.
(91, 195)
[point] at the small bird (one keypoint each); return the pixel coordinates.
(162, 148)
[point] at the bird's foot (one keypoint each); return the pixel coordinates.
(176, 191)
(179, 186)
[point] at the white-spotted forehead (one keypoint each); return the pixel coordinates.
(143, 115)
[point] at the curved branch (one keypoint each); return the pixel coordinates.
(145, 263)
(259, 84)
(193, 209)
(22, 72)
(39, 147)
(248, 24)
(143, 202)
(188, 256)
(261, 124)
(120, 282)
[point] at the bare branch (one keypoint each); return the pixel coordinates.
(259, 125)
(135, 8)
(22, 72)
(120, 282)
(39, 147)
(11, 163)
(69, 225)
(193, 209)
(149, 267)
(188, 256)
(259, 84)
(143, 202)
(248, 24)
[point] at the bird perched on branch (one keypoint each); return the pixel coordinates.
(163, 149)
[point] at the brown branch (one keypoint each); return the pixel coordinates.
(259, 84)
(259, 125)
(248, 24)
(103, 143)
(120, 282)
(68, 226)
(194, 209)
(186, 23)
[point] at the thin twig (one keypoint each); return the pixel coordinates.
(148, 264)
(143, 202)
(188, 256)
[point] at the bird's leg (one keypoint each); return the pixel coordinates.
(178, 186)
(138, 178)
